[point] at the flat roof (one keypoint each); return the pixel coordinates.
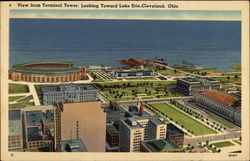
(221, 97)
(32, 134)
(133, 70)
(74, 145)
(67, 88)
(159, 145)
(112, 129)
(15, 114)
(197, 79)
(172, 129)
(33, 118)
(15, 126)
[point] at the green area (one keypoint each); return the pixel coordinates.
(18, 88)
(184, 120)
(100, 75)
(126, 84)
(164, 70)
(22, 103)
(223, 144)
(229, 79)
(26, 99)
(23, 67)
(14, 98)
(220, 121)
(125, 94)
(237, 141)
(236, 67)
(144, 78)
(198, 71)
(212, 149)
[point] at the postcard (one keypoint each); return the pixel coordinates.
(125, 80)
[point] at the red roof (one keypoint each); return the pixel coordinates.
(137, 61)
(221, 97)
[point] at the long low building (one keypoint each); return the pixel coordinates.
(220, 103)
(43, 72)
(118, 74)
(190, 85)
(69, 93)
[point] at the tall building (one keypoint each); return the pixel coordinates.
(221, 104)
(134, 130)
(69, 93)
(190, 85)
(85, 120)
(15, 129)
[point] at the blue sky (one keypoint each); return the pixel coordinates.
(130, 14)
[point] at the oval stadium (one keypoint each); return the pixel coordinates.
(44, 72)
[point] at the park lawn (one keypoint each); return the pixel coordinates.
(14, 98)
(183, 119)
(226, 80)
(223, 144)
(135, 83)
(236, 67)
(18, 88)
(20, 105)
(221, 121)
(237, 141)
(26, 99)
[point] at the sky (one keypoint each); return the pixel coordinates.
(130, 14)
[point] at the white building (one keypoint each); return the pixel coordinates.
(134, 130)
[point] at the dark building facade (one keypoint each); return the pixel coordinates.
(190, 85)
(133, 73)
(175, 134)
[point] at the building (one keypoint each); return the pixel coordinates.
(66, 93)
(160, 145)
(15, 129)
(175, 134)
(190, 85)
(221, 104)
(74, 145)
(119, 74)
(134, 130)
(37, 133)
(84, 120)
(44, 72)
(112, 139)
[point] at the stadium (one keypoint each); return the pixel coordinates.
(44, 72)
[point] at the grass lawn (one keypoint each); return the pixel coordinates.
(182, 119)
(26, 99)
(223, 144)
(221, 121)
(126, 84)
(237, 141)
(14, 98)
(20, 105)
(236, 67)
(18, 88)
(230, 80)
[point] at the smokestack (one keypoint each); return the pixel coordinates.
(141, 108)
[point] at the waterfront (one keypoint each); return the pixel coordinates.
(208, 43)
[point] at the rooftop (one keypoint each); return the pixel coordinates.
(159, 145)
(15, 114)
(172, 130)
(221, 97)
(33, 134)
(134, 71)
(33, 118)
(111, 129)
(74, 145)
(198, 79)
(67, 88)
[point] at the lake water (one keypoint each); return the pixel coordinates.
(105, 42)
